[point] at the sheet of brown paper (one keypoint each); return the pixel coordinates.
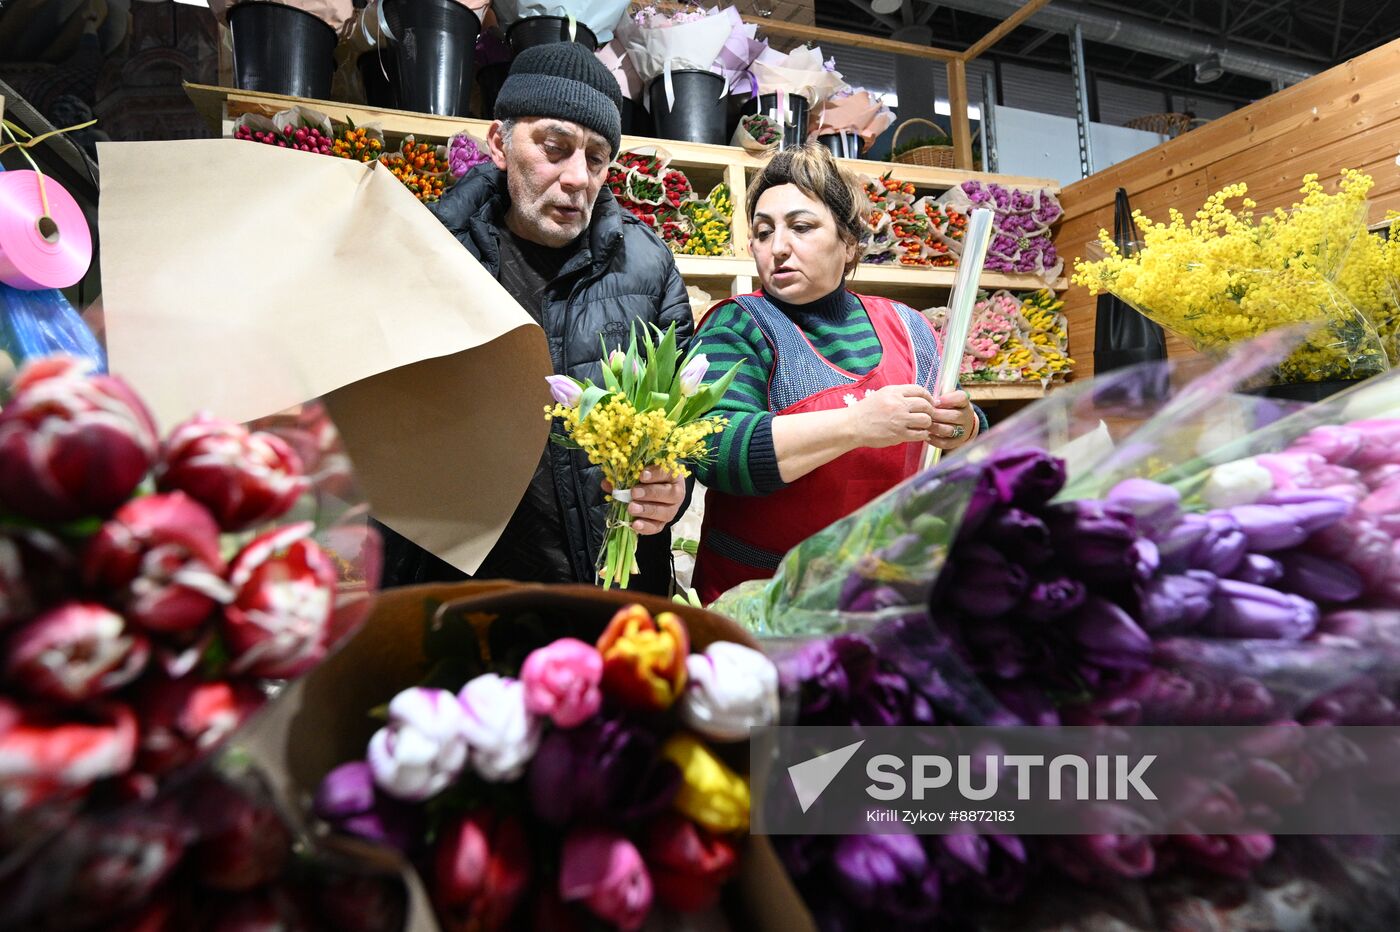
(243, 279)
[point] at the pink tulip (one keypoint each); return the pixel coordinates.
(482, 868)
(561, 681)
(160, 555)
(1336, 443)
(43, 757)
(604, 871)
(75, 652)
(72, 445)
(244, 478)
(284, 595)
(183, 720)
(1380, 442)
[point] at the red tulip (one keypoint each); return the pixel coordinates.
(184, 719)
(33, 570)
(42, 758)
(482, 867)
(75, 652)
(160, 554)
(284, 594)
(644, 658)
(72, 445)
(249, 846)
(122, 864)
(270, 910)
(688, 864)
(244, 478)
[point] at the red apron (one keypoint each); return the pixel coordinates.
(740, 531)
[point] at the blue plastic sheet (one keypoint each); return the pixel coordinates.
(44, 323)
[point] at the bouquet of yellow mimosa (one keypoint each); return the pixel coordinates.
(649, 412)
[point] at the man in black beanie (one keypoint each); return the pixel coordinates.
(539, 219)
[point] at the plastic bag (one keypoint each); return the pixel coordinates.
(42, 323)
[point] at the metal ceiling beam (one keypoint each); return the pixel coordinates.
(1137, 34)
(1380, 10)
(1043, 37)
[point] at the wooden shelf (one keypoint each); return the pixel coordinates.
(714, 267)
(217, 104)
(1004, 391)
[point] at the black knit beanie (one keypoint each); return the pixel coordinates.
(566, 81)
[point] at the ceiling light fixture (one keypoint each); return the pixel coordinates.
(886, 7)
(1209, 69)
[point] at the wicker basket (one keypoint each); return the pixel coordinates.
(928, 156)
(1167, 124)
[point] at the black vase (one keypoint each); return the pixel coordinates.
(489, 79)
(435, 44)
(281, 50)
(792, 117)
(379, 71)
(543, 30)
(843, 145)
(698, 114)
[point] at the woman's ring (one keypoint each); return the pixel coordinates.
(958, 431)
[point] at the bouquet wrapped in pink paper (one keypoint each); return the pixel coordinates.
(850, 110)
(156, 592)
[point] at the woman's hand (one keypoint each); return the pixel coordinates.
(954, 421)
(655, 500)
(894, 414)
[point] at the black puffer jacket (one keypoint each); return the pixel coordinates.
(624, 274)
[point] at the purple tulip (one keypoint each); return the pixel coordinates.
(1108, 636)
(985, 583)
(565, 390)
(1175, 601)
(607, 767)
(871, 597)
(1153, 504)
(1028, 703)
(1026, 478)
(1320, 579)
(1268, 527)
(1258, 569)
(1049, 599)
(1233, 856)
(1020, 533)
(1100, 540)
(1311, 509)
(887, 876)
(968, 851)
(1104, 859)
(348, 800)
(1243, 610)
(998, 648)
(1212, 542)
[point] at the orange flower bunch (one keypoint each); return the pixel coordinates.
(421, 166)
(355, 143)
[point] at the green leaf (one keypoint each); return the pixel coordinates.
(591, 396)
(709, 396)
(666, 358)
(610, 380)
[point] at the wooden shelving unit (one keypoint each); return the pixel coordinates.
(706, 165)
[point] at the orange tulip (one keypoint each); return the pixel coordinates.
(644, 658)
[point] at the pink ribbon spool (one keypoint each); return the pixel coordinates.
(37, 251)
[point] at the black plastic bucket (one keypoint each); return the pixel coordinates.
(379, 71)
(699, 112)
(435, 44)
(1305, 391)
(635, 119)
(488, 83)
(843, 145)
(544, 30)
(793, 117)
(281, 50)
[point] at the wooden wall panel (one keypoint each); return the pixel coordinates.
(1348, 117)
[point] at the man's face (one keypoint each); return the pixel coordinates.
(554, 170)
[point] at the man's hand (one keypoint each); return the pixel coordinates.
(655, 501)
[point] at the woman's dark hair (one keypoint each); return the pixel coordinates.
(813, 171)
